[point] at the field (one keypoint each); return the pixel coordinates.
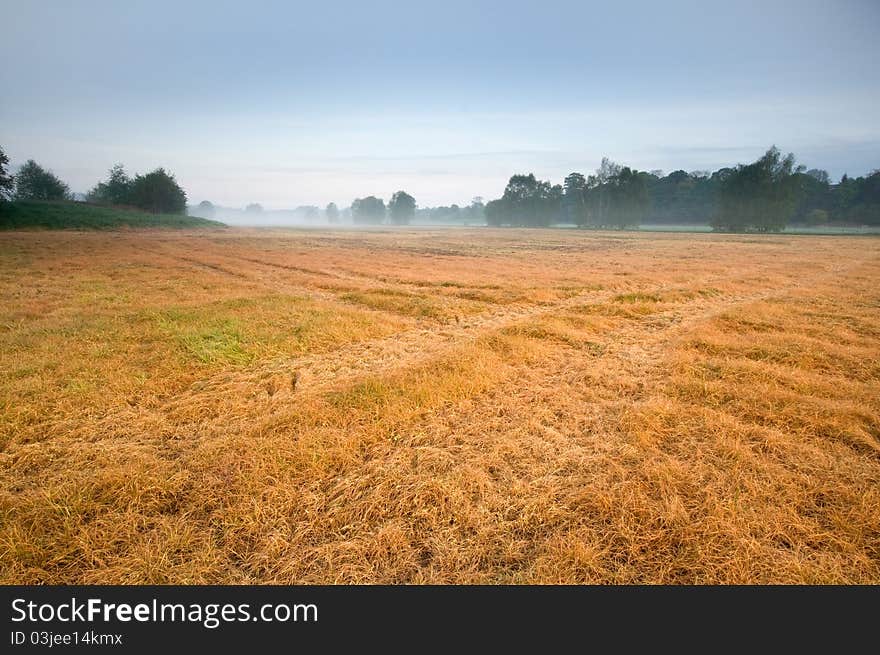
(438, 406)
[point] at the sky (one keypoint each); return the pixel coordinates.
(292, 103)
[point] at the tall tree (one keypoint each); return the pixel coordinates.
(760, 196)
(575, 186)
(332, 213)
(861, 203)
(368, 210)
(529, 201)
(7, 181)
(844, 195)
(33, 182)
(814, 197)
(158, 192)
(497, 212)
(115, 191)
(629, 198)
(681, 197)
(402, 208)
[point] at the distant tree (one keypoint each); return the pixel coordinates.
(7, 181)
(451, 214)
(551, 205)
(861, 200)
(532, 202)
(814, 194)
(521, 194)
(254, 208)
(115, 191)
(205, 209)
(402, 208)
(158, 192)
(681, 197)
(843, 196)
(332, 213)
(599, 194)
(629, 198)
(575, 189)
(760, 196)
(308, 212)
(527, 201)
(36, 183)
(476, 211)
(617, 196)
(368, 210)
(497, 212)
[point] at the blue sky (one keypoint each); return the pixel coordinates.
(289, 103)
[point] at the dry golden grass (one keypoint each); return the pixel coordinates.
(417, 406)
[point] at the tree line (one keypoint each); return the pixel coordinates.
(372, 210)
(762, 196)
(157, 191)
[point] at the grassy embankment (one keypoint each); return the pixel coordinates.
(34, 214)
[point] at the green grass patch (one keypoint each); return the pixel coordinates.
(207, 339)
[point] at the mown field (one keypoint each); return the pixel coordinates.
(438, 406)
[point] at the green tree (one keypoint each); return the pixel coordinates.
(521, 194)
(628, 198)
(681, 197)
(332, 213)
(532, 202)
(497, 212)
(7, 181)
(402, 208)
(863, 206)
(115, 191)
(760, 196)
(158, 192)
(33, 182)
(843, 196)
(368, 210)
(814, 194)
(598, 196)
(575, 207)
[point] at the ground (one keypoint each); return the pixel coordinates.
(438, 406)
